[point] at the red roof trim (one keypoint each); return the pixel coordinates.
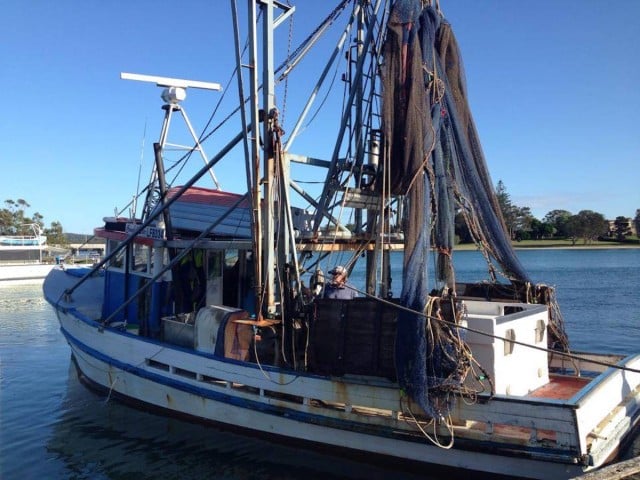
(209, 196)
(120, 236)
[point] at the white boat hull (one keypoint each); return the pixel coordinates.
(221, 405)
(309, 408)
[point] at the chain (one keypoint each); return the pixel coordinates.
(287, 62)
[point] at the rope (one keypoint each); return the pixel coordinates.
(434, 439)
(286, 80)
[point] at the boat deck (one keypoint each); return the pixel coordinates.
(560, 387)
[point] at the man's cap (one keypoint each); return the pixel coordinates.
(338, 270)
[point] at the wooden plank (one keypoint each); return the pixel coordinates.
(257, 323)
(616, 471)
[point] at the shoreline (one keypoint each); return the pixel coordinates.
(472, 247)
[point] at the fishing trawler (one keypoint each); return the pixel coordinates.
(210, 304)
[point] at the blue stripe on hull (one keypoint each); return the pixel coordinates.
(303, 417)
(233, 400)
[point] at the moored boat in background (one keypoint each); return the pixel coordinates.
(21, 256)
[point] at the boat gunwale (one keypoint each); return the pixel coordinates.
(560, 455)
(498, 405)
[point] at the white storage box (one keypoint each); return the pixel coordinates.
(514, 369)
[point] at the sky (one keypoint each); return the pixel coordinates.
(554, 88)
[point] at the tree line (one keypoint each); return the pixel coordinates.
(14, 221)
(586, 226)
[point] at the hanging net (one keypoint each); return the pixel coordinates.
(436, 163)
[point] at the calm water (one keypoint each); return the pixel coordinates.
(51, 427)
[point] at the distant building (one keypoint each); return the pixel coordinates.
(87, 251)
(630, 224)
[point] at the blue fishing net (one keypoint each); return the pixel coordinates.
(437, 165)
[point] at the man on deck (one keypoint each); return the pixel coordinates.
(339, 287)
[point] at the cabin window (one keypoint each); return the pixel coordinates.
(118, 260)
(141, 258)
(231, 278)
(238, 282)
(215, 260)
(159, 255)
(509, 339)
(190, 281)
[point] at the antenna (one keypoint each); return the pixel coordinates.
(175, 91)
(170, 82)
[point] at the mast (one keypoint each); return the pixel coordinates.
(265, 188)
(255, 150)
(269, 185)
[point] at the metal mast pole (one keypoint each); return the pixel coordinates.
(269, 187)
(262, 143)
(358, 122)
(255, 150)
